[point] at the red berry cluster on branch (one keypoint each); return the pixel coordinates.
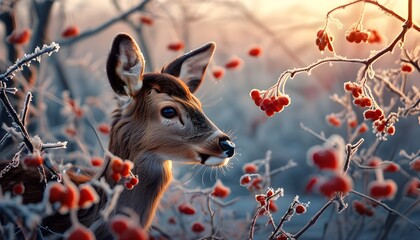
(323, 40)
(362, 209)
(269, 105)
(354, 88)
(375, 36)
(357, 35)
(120, 168)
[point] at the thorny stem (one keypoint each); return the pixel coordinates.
(25, 108)
(288, 213)
(313, 219)
(15, 118)
(386, 207)
(253, 222)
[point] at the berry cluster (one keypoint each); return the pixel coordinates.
(354, 88)
(267, 200)
(362, 209)
(363, 101)
(120, 168)
(406, 68)
(124, 228)
(70, 197)
(374, 114)
(325, 158)
(382, 126)
(357, 36)
(336, 183)
(269, 105)
(323, 40)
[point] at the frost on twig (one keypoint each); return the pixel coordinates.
(28, 58)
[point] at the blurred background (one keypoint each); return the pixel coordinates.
(285, 31)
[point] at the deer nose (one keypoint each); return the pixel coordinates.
(227, 146)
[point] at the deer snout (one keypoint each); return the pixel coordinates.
(227, 146)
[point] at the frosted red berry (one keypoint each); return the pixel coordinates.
(300, 209)
(186, 208)
(79, 232)
(176, 46)
(71, 31)
(245, 180)
(336, 183)
(18, 188)
(197, 227)
(250, 168)
(382, 189)
(220, 190)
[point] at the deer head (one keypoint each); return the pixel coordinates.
(159, 119)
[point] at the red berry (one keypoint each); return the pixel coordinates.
(255, 184)
(392, 167)
(176, 46)
(324, 158)
(119, 224)
(300, 209)
(220, 190)
(272, 206)
(33, 160)
(127, 166)
(359, 207)
(21, 36)
(412, 188)
(415, 164)
(311, 183)
(406, 68)
(374, 161)
(363, 128)
(261, 199)
(146, 20)
(96, 161)
(255, 94)
(186, 208)
(234, 63)
(333, 120)
(128, 185)
(104, 128)
(79, 232)
(352, 123)
(116, 177)
(134, 181)
(218, 72)
(88, 196)
(117, 165)
(71, 31)
(70, 197)
(375, 36)
(56, 190)
(390, 130)
(382, 189)
(18, 189)
(337, 183)
(245, 179)
(250, 168)
(255, 51)
(197, 227)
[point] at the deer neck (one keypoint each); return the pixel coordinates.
(155, 175)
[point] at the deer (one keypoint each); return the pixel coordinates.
(157, 121)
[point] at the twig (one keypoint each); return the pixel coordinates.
(91, 32)
(313, 219)
(27, 58)
(387, 208)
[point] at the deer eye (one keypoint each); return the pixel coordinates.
(168, 112)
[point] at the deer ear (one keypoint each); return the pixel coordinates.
(125, 65)
(192, 66)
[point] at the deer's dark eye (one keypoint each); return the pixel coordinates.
(168, 112)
